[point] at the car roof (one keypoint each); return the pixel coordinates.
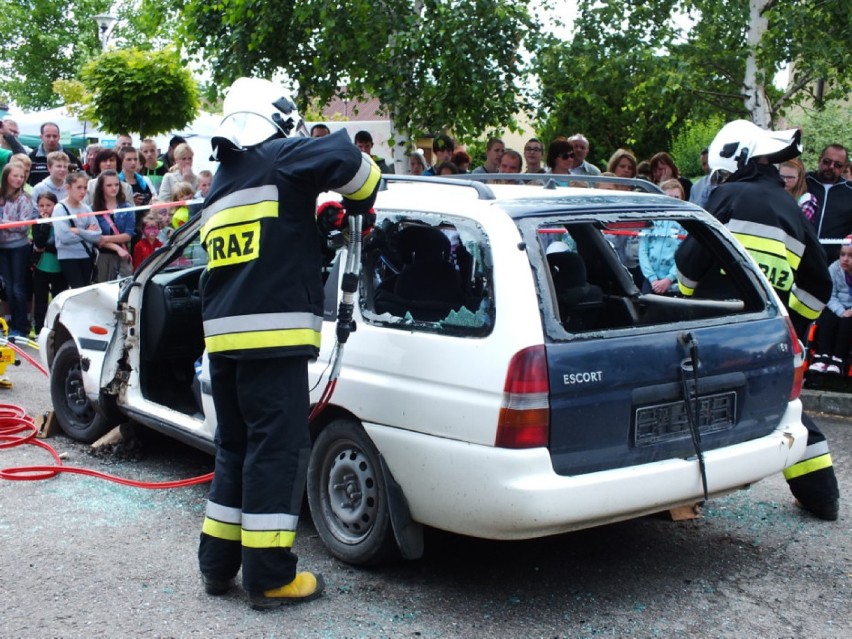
(471, 198)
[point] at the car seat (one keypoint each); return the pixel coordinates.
(428, 286)
(579, 302)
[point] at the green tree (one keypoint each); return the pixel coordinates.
(434, 64)
(146, 92)
(831, 125)
(632, 75)
(45, 41)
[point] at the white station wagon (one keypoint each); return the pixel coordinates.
(507, 378)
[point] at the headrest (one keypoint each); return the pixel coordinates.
(423, 243)
(567, 269)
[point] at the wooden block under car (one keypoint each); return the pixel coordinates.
(683, 513)
(47, 425)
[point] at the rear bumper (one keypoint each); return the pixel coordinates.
(514, 494)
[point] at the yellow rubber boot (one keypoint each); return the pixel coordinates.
(305, 587)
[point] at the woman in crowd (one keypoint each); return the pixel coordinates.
(447, 168)
(664, 168)
(77, 237)
(118, 227)
(15, 249)
(462, 160)
(91, 153)
(180, 172)
(622, 163)
(560, 156)
(417, 161)
(105, 160)
(793, 174)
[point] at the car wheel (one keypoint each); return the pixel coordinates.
(348, 496)
(79, 417)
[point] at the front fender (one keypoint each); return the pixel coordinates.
(87, 316)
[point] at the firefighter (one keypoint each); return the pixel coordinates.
(750, 200)
(262, 305)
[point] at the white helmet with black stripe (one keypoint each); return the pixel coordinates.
(255, 111)
(739, 142)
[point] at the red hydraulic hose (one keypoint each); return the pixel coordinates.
(17, 428)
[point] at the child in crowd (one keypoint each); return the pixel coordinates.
(835, 323)
(118, 227)
(57, 168)
(149, 242)
(77, 237)
(657, 248)
(180, 215)
(48, 279)
(205, 179)
(163, 215)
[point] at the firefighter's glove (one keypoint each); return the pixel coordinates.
(330, 218)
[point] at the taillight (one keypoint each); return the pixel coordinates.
(798, 361)
(525, 414)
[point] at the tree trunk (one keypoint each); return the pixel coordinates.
(755, 78)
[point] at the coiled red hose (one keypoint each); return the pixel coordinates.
(17, 429)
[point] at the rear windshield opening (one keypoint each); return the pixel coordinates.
(624, 273)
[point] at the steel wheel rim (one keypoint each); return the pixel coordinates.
(352, 493)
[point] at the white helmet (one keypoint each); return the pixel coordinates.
(255, 110)
(740, 141)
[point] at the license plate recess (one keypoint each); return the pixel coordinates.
(664, 422)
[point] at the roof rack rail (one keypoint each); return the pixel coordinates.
(554, 181)
(482, 190)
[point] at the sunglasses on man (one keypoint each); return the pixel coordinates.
(834, 163)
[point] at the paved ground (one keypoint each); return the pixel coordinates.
(87, 558)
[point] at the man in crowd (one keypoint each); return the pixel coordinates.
(833, 219)
(9, 137)
(443, 147)
(49, 144)
(581, 150)
(122, 140)
(364, 141)
(150, 165)
(534, 154)
(510, 162)
(701, 189)
(494, 150)
(319, 130)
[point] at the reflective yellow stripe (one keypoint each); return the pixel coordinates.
(240, 215)
(808, 466)
(804, 310)
(685, 290)
(268, 538)
(773, 258)
(233, 245)
(221, 530)
(262, 339)
(368, 186)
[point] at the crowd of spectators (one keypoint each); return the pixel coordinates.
(119, 184)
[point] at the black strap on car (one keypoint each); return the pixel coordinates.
(691, 399)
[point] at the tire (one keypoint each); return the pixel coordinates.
(348, 497)
(80, 418)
